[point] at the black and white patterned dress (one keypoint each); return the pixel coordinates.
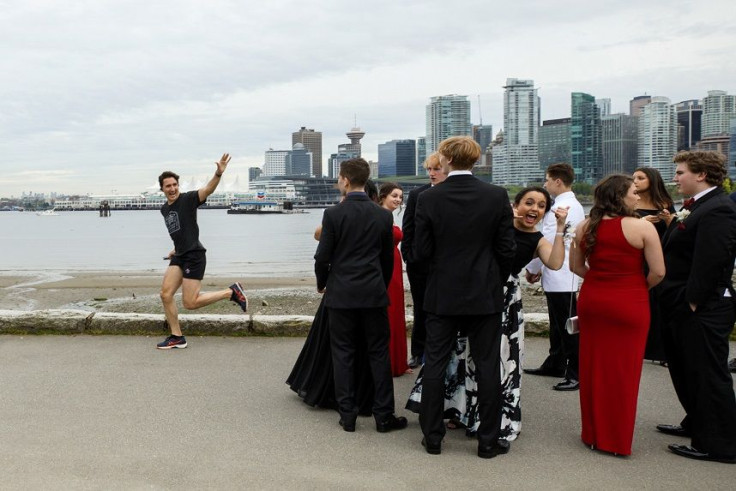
(461, 394)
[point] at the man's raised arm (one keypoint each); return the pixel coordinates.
(210, 187)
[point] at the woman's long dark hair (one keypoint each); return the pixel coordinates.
(608, 200)
(657, 190)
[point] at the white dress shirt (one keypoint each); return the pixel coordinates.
(562, 280)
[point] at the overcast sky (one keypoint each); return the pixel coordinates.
(103, 95)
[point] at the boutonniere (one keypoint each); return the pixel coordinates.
(681, 216)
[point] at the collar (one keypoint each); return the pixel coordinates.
(565, 195)
(703, 193)
(356, 193)
(460, 173)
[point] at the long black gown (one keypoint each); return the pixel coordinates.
(655, 345)
(312, 376)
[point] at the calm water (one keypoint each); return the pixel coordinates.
(239, 245)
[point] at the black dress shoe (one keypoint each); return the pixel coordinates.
(675, 430)
(415, 361)
(347, 423)
(692, 453)
(545, 371)
(567, 385)
(391, 423)
(500, 447)
(432, 448)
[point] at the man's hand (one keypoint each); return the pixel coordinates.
(693, 307)
(320, 290)
(533, 278)
(222, 164)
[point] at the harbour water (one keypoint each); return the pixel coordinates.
(238, 245)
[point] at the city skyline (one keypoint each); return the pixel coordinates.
(106, 96)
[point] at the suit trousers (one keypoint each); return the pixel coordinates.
(484, 338)
(346, 326)
(563, 347)
(696, 345)
(418, 284)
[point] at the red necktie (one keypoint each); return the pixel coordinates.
(688, 203)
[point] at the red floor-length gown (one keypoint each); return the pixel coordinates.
(396, 315)
(613, 313)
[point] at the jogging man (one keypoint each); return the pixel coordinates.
(188, 260)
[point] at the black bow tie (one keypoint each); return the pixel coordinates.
(688, 203)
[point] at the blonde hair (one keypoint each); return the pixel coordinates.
(462, 151)
(432, 160)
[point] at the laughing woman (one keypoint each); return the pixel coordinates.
(461, 403)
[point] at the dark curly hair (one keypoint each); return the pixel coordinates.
(538, 189)
(608, 200)
(386, 189)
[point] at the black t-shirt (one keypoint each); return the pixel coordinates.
(526, 244)
(181, 221)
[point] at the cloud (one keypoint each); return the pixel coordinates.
(114, 90)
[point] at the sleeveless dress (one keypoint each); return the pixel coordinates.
(396, 312)
(461, 390)
(613, 313)
(655, 342)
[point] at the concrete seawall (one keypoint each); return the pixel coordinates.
(59, 321)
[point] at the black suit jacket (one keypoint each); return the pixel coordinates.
(354, 258)
(407, 225)
(464, 228)
(699, 252)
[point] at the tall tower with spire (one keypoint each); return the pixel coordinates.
(346, 151)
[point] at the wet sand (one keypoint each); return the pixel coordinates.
(125, 291)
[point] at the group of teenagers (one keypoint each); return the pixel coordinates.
(643, 263)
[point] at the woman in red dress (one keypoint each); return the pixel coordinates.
(390, 196)
(609, 252)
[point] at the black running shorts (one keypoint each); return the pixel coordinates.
(192, 263)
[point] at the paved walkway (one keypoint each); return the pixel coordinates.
(111, 412)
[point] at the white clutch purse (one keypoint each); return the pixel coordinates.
(571, 325)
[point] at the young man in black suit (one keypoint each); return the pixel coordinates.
(464, 229)
(696, 299)
(417, 270)
(353, 265)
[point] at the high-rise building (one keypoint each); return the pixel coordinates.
(299, 161)
(516, 160)
(554, 142)
(483, 135)
(254, 173)
(604, 106)
(719, 109)
(397, 158)
(732, 152)
(620, 143)
(447, 115)
(346, 151)
(586, 153)
(637, 103)
(689, 115)
(312, 141)
(658, 136)
(421, 155)
(275, 162)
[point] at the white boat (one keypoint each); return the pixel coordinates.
(47, 213)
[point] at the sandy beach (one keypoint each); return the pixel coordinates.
(125, 291)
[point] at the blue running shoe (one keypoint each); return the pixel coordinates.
(173, 342)
(238, 296)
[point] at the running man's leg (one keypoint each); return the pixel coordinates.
(192, 299)
(172, 281)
